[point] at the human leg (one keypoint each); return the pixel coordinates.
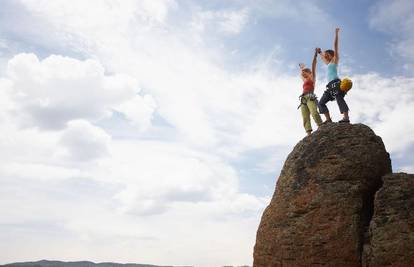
(306, 118)
(312, 106)
(323, 109)
(343, 107)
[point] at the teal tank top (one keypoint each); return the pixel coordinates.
(332, 71)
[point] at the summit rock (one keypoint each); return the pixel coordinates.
(333, 202)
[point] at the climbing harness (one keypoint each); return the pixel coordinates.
(332, 88)
(302, 99)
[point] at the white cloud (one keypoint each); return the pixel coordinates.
(3, 45)
(161, 191)
(385, 104)
(55, 90)
(139, 110)
(407, 169)
(37, 171)
(96, 16)
(191, 95)
(84, 26)
(159, 174)
(158, 181)
(395, 18)
(84, 142)
(6, 102)
(27, 146)
(229, 22)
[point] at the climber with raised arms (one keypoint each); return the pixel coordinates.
(333, 90)
(308, 99)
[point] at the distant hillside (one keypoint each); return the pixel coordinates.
(46, 263)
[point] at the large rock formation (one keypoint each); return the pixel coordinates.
(391, 230)
(324, 203)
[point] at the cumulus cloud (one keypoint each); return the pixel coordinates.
(50, 92)
(84, 142)
(385, 104)
(139, 110)
(158, 175)
(191, 95)
(205, 104)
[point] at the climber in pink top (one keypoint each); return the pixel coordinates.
(308, 100)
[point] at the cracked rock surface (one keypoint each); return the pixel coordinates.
(321, 211)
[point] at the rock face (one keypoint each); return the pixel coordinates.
(324, 201)
(392, 226)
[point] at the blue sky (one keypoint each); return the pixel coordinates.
(154, 130)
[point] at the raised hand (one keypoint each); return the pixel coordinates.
(318, 50)
(336, 46)
(301, 66)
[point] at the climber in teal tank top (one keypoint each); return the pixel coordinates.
(333, 92)
(332, 71)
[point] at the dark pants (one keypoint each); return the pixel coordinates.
(331, 93)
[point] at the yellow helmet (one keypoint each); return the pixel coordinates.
(346, 84)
